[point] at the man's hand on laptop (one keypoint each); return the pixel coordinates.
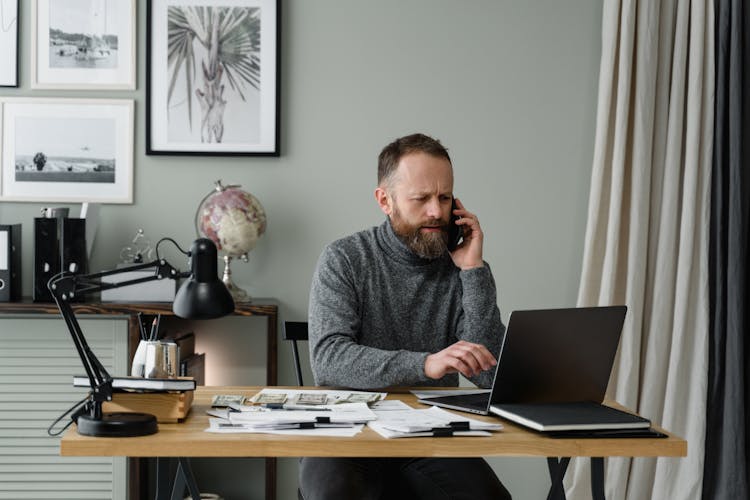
(466, 358)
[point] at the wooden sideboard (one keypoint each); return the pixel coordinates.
(259, 307)
(267, 308)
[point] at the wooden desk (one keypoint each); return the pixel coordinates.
(188, 439)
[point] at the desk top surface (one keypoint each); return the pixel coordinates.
(189, 439)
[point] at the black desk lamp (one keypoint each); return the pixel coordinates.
(203, 296)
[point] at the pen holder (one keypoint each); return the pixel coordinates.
(139, 359)
(155, 359)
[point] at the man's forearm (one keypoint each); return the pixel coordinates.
(481, 322)
(338, 361)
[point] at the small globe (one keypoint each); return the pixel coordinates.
(232, 218)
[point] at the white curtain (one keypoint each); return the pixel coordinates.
(647, 233)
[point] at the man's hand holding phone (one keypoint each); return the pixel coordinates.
(468, 254)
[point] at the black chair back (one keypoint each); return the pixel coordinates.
(296, 331)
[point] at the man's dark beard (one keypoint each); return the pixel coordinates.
(426, 245)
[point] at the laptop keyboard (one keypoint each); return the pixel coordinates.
(478, 401)
(475, 401)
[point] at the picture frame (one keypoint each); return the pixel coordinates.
(66, 150)
(8, 43)
(203, 102)
(83, 44)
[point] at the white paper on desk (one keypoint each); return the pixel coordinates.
(223, 426)
(352, 413)
(225, 412)
(418, 423)
(389, 434)
(389, 405)
(222, 413)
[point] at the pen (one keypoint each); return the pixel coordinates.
(280, 406)
(152, 336)
(141, 327)
(299, 425)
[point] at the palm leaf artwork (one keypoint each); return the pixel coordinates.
(231, 38)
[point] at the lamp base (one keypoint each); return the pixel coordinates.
(121, 424)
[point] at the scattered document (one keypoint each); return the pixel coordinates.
(343, 419)
(224, 426)
(347, 413)
(339, 413)
(427, 423)
(389, 405)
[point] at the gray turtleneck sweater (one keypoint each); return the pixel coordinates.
(377, 310)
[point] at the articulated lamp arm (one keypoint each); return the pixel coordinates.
(66, 287)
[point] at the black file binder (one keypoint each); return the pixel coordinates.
(73, 246)
(10, 262)
(46, 256)
(59, 245)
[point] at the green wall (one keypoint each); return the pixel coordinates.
(508, 85)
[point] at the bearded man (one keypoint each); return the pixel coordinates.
(392, 306)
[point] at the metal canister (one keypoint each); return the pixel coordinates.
(171, 358)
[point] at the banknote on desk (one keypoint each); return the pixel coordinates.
(302, 399)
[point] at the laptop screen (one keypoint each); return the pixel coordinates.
(558, 355)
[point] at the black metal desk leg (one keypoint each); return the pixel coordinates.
(557, 470)
(162, 478)
(186, 472)
(178, 486)
(597, 478)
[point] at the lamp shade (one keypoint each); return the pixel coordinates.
(203, 295)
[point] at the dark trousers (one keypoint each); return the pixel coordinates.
(393, 478)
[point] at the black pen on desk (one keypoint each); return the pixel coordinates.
(278, 406)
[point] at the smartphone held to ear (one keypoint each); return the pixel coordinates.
(455, 232)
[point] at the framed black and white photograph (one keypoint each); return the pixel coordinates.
(66, 150)
(212, 83)
(83, 44)
(8, 43)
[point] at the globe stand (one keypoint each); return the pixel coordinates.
(238, 294)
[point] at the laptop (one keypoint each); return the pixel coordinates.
(554, 365)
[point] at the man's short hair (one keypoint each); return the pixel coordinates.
(391, 155)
